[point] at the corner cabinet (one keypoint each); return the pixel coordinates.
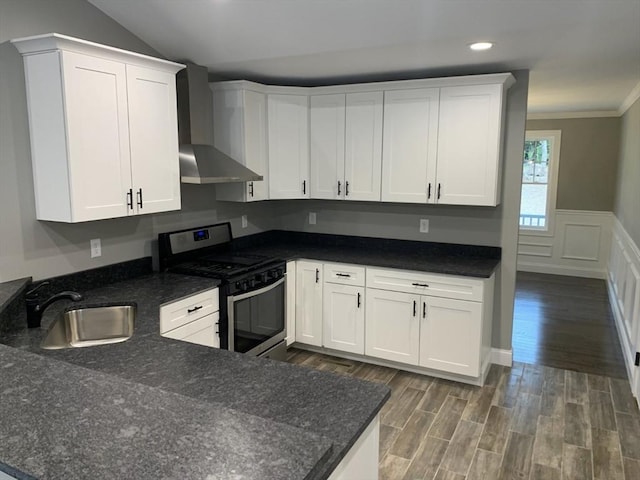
(103, 127)
(240, 131)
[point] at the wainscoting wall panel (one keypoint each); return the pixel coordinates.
(577, 245)
(623, 281)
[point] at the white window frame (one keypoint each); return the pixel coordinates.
(554, 137)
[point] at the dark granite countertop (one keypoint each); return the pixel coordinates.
(444, 258)
(327, 410)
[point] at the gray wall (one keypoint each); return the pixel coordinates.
(41, 249)
(627, 205)
(467, 225)
(588, 161)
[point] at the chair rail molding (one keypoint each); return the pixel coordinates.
(579, 245)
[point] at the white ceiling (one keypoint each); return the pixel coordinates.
(584, 55)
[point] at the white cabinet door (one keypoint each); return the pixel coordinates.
(240, 131)
(309, 302)
(153, 129)
(363, 146)
(99, 162)
(393, 326)
(409, 146)
(290, 310)
(288, 146)
(343, 314)
(450, 335)
(469, 142)
(326, 146)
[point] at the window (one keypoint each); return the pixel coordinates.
(539, 179)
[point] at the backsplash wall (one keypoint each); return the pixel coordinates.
(448, 224)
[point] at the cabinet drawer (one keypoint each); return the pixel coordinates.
(181, 312)
(203, 331)
(449, 286)
(344, 274)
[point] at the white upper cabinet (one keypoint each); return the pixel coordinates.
(346, 146)
(326, 145)
(469, 141)
(434, 140)
(103, 127)
(409, 146)
(240, 131)
(153, 127)
(363, 146)
(288, 139)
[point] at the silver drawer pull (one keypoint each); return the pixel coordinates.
(194, 309)
(343, 275)
(419, 284)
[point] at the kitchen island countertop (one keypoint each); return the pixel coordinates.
(322, 413)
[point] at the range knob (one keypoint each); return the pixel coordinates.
(252, 282)
(244, 286)
(263, 277)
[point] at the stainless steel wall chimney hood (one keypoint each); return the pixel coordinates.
(200, 161)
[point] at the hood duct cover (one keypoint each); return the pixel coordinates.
(200, 161)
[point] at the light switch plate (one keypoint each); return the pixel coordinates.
(243, 220)
(424, 225)
(312, 218)
(96, 248)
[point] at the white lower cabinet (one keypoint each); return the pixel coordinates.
(429, 322)
(309, 302)
(343, 317)
(193, 319)
(393, 326)
(449, 335)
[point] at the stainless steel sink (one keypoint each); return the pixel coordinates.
(91, 325)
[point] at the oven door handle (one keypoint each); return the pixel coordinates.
(253, 293)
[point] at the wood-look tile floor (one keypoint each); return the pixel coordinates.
(527, 422)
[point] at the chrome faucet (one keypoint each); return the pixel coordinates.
(35, 309)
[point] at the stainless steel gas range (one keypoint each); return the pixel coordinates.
(252, 293)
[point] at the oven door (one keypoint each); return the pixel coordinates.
(257, 319)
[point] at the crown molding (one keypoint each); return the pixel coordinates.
(630, 100)
(579, 114)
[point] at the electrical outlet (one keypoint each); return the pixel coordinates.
(243, 220)
(424, 225)
(312, 218)
(96, 248)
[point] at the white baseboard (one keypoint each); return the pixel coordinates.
(502, 357)
(562, 270)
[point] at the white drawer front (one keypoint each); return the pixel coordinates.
(181, 312)
(203, 331)
(344, 274)
(449, 286)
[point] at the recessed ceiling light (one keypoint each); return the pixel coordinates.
(481, 46)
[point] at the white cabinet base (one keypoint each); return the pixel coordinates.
(478, 381)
